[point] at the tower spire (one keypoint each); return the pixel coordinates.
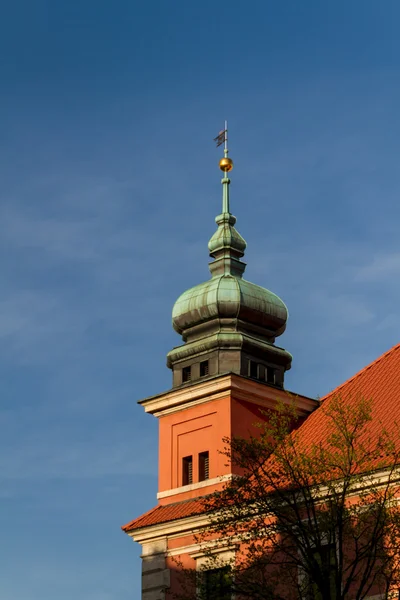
(226, 165)
(228, 322)
(226, 245)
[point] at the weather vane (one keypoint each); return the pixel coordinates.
(226, 163)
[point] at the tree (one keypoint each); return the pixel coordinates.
(315, 520)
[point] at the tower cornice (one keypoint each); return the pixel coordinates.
(237, 386)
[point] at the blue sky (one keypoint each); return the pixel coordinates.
(109, 189)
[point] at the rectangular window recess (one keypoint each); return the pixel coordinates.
(186, 374)
(327, 564)
(204, 368)
(253, 369)
(217, 584)
(187, 470)
(204, 466)
(270, 373)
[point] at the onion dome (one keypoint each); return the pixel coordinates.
(229, 322)
(230, 297)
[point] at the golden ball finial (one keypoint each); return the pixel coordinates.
(226, 164)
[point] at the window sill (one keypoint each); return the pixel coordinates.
(194, 486)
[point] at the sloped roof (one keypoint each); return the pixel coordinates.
(380, 381)
(165, 513)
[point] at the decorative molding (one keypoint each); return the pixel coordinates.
(199, 549)
(188, 549)
(180, 527)
(237, 386)
(195, 486)
(172, 528)
(225, 557)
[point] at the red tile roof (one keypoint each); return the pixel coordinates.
(165, 513)
(380, 381)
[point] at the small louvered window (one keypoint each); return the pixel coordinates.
(187, 470)
(204, 369)
(204, 466)
(186, 374)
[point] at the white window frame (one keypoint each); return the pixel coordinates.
(226, 556)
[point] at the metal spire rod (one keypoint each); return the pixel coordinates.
(226, 181)
(225, 164)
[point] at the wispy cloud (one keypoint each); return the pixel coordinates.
(384, 268)
(109, 190)
(55, 456)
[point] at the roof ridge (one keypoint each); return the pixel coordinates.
(369, 366)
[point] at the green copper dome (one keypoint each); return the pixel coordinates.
(227, 295)
(230, 297)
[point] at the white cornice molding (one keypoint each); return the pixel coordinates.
(241, 388)
(179, 527)
(195, 486)
(171, 528)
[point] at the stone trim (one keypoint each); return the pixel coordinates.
(161, 530)
(155, 574)
(239, 387)
(195, 486)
